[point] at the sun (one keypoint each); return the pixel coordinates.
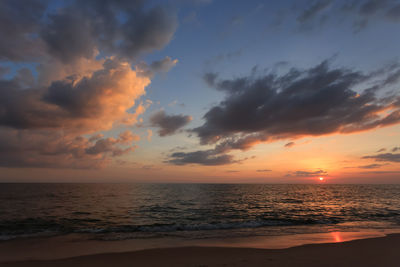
(321, 178)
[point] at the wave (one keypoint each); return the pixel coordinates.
(32, 227)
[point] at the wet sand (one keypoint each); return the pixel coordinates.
(380, 251)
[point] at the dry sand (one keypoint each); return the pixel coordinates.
(380, 252)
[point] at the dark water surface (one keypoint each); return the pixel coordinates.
(122, 211)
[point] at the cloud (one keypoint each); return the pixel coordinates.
(290, 144)
(264, 170)
(54, 149)
(20, 20)
(168, 124)
(381, 172)
(150, 167)
(149, 134)
(370, 166)
(371, 7)
(387, 157)
(394, 13)
(381, 150)
(309, 173)
(206, 157)
(31, 30)
(96, 137)
(97, 25)
(159, 66)
(311, 12)
(360, 12)
(210, 78)
(54, 118)
(84, 83)
(312, 102)
(163, 65)
(376, 9)
(108, 145)
(82, 104)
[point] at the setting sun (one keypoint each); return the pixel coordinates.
(321, 178)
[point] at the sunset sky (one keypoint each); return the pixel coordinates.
(200, 91)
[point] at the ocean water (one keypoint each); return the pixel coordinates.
(130, 211)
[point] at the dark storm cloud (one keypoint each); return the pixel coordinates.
(205, 157)
(313, 10)
(316, 101)
(387, 157)
(168, 124)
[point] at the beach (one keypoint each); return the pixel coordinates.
(380, 251)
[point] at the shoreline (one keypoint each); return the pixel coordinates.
(24, 252)
(378, 251)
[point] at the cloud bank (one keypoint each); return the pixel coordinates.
(79, 78)
(312, 102)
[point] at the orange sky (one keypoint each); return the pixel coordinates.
(142, 92)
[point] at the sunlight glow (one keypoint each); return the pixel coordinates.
(321, 178)
(336, 236)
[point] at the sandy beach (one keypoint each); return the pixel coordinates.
(380, 251)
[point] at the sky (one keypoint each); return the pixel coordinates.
(205, 91)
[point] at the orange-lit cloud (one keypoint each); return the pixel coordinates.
(314, 102)
(56, 117)
(77, 104)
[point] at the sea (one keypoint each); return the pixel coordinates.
(194, 211)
